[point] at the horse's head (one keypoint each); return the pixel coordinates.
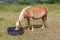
(18, 25)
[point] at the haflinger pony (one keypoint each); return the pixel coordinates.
(32, 13)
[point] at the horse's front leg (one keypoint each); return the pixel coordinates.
(30, 23)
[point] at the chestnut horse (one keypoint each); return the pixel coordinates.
(32, 13)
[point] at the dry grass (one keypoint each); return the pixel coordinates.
(9, 15)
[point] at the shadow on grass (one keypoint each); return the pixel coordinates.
(35, 26)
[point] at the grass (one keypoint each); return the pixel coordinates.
(9, 14)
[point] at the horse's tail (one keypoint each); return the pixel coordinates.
(45, 17)
(46, 9)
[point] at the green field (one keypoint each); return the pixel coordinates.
(9, 14)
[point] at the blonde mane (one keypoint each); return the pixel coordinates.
(21, 17)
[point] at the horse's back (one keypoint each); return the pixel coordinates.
(40, 9)
(37, 11)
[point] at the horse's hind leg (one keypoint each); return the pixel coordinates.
(44, 19)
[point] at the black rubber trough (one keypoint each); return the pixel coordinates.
(11, 31)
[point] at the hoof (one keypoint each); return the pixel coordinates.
(32, 30)
(42, 27)
(28, 29)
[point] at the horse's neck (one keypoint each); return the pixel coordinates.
(21, 17)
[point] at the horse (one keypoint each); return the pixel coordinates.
(32, 13)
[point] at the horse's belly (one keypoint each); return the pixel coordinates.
(38, 16)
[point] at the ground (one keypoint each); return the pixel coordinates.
(9, 14)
